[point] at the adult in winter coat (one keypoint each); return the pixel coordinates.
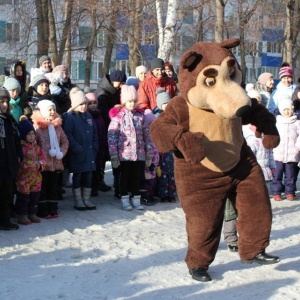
(265, 86)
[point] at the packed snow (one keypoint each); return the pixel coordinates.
(114, 254)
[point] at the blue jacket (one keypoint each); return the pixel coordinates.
(83, 142)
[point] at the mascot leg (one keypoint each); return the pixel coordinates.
(203, 195)
(254, 212)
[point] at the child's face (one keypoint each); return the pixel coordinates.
(14, 93)
(287, 113)
(43, 88)
(50, 113)
(30, 137)
(81, 108)
(130, 105)
(3, 105)
(92, 105)
(19, 71)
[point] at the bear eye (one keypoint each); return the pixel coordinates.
(210, 81)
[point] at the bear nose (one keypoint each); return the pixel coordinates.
(242, 111)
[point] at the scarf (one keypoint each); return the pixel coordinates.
(54, 145)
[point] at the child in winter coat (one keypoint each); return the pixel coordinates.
(81, 159)
(286, 154)
(10, 154)
(148, 185)
(166, 180)
(13, 86)
(29, 179)
(52, 139)
(98, 175)
(129, 146)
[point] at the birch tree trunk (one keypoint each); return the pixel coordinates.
(169, 31)
(288, 35)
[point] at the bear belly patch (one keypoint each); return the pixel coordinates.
(223, 138)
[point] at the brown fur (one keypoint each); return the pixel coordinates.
(203, 128)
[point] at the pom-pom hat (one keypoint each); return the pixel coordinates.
(77, 97)
(286, 71)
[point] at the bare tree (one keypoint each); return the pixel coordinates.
(219, 26)
(167, 33)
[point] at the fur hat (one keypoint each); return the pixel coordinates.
(60, 68)
(118, 76)
(44, 58)
(91, 97)
(139, 70)
(157, 63)
(12, 84)
(4, 93)
(128, 93)
(133, 81)
(77, 97)
(37, 80)
(162, 97)
(264, 77)
(286, 71)
(25, 127)
(285, 103)
(255, 94)
(43, 105)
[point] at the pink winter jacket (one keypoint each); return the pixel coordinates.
(128, 137)
(42, 137)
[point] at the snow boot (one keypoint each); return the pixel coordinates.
(126, 203)
(33, 218)
(78, 202)
(23, 220)
(136, 202)
(86, 194)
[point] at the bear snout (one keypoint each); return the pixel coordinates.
(242, 111)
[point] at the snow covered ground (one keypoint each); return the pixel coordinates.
(113, 254)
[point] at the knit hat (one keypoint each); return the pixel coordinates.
(169, 66)
(37, 80)
(285, 103)
(43, 105)
(139, 70)
(2, 79)
(25, 127)
(286, 71)
(157, 63)
(77, 97)
(118, 76)
(4, 93)
(133, 81)
(91, 97)
(12, 84)
(60, 68)
(44, 58)
(264, 77)
(162, 97)
(128, 93)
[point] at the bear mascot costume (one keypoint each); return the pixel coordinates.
(203, 126)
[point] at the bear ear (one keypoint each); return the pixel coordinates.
(230, 43)
(190, 59)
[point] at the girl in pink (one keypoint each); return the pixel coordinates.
(29, 179)
(129, 146)
(52, 139)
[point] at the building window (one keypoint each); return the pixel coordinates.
(148, 37)
(13, 32)
(101, 38)
(84, 35)
(96, 70)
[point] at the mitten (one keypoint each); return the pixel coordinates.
(189, 144)
(115, 161)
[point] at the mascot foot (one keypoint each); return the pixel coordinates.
(263, 259)
(200, 274)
